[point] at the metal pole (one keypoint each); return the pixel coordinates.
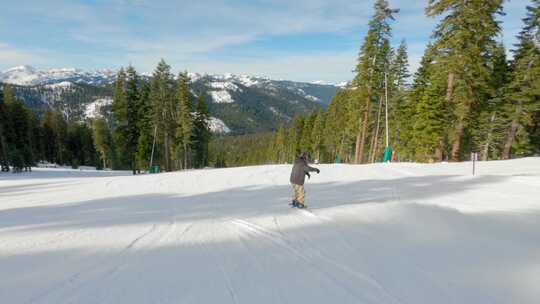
(473, 156)
(386, 108)
(153, 146)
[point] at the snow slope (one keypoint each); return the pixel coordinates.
(397, 233)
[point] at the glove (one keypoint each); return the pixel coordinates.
(308, 176)
(318, 171)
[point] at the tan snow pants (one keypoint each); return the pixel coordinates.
(299, 193)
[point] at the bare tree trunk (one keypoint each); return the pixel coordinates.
(359, 144)
(456, 145)
(512, 133)
(449, 92)
(485, 152)
(455, 155)
(375, 142)
(185, 157)
(4, 158)
(167, 151)
(450, 87)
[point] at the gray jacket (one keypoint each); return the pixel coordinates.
(299, 171)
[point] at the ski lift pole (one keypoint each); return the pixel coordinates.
(386, 108)
(387, 150)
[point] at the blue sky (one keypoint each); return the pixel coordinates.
(303, 40)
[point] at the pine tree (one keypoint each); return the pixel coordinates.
(21, 152)
(88, 155)
(489, 120)
(399, 68)
(60, 129)
(408, 140)
(465, 38)
(9, 129)
(430, 123)
(400, 108)
(523, 92)
(4, 125)
(103, 141)
(120, 120)
(279, 147)
(162, 96)
(331, 131)
(294, 137)
(317, 134)
(131, 130)
(74, 144)
(184, 118)
(36, 135)
(49, 137)
(17, 131)
(291, 144)
(119, 107)
(202, 133)
(340, 130)
(307, 129)
(371, 68)
(146, 128)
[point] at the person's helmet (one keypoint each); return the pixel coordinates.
(304, 155)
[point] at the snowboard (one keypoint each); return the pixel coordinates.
(297, 206)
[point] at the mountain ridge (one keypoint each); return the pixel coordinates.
(239, 104)
(29, 75)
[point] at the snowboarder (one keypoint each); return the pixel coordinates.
(298, 176)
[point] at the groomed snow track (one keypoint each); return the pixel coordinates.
(385, 233)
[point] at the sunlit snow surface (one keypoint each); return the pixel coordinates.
(397, 233)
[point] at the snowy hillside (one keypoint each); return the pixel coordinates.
(397, 233)
(27, 75)
(219, 86)
(218, 126)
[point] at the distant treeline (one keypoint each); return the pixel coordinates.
(26, 138)
(159, 122)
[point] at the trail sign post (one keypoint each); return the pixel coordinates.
(474, 158)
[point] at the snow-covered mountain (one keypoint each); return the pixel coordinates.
(27, 75)
(240, 103)
(220, 87)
